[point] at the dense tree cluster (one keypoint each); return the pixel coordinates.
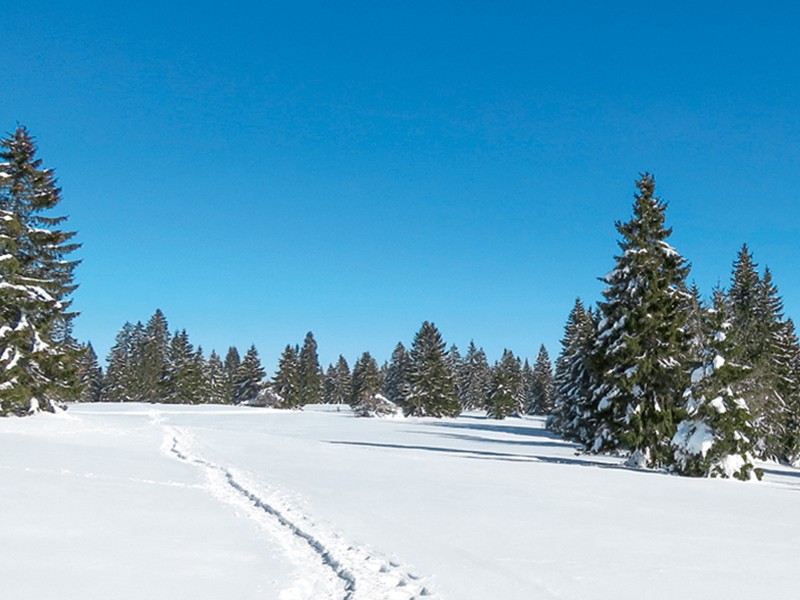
(655, 373)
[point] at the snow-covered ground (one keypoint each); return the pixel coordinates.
(164, 502)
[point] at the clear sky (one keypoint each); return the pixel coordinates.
(259, 169)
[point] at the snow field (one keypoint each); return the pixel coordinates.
(218, 502)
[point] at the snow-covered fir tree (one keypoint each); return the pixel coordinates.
(542, 389)
(507, 395)
(184, 381)
(715, 439)
(397, 384)
(432, 388)
(338, 383)
(573, 379)
(248, 379)
(232, 361)
(311, 378)
(216, 381)
(120, 374)
(286, 381)
(38, 354)
(641, 348)
(90, 375)
(153, 351)
(476, 379)
(366, 380)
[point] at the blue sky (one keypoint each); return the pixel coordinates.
(258, 170)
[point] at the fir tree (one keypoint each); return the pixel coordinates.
(476, 379)
(38, 354)
(339, 384)
(90, 375)
(397, 385)
(506, 397)
(248, 378)
(542, 401)
(641, 346)
(366, 380)
(231, 365)
(432, 388)
(716, 437)
(216, 381)
(311, 380)
(153, 360)
(184, 382)
(120, 375)
(573, 379)
(287, 380)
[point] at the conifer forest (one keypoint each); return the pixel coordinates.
(689, 381)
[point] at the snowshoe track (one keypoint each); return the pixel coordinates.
(345, 571)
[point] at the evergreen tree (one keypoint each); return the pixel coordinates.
(716, 437)
(455, 364)
(432, 389)
(287, 381)
(543, 386)
(231, 365)
(506, 397)
(476, 379)
(366, 380)
(184, 382)
(641, 346)
(120, 375)
(248, 378)
(38, 354)
(338, 383)
(397, 386)
(154, 360)
(90, 375)
(311, 380)
(573, 379)
(216, 381)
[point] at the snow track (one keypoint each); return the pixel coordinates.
(327, 566)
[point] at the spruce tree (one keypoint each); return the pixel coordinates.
(476, 379)
(641, 346)
(543, 386)
(38, 354)
(248, 378)
(366, 380)
(90, 375)
(432, 389)
(287, 380)
(716, 437)
(120, 374)
(397, 386)
(216, 381)
(231, 364)
(311, 380)
(339, 384)
(573, 379)
(507, 397)
(154, 360)
(184, 382)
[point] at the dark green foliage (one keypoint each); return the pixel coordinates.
(311, 379)
(216, 380)
(338, 383)
(542, 392)
(507, 395)
(248, 379)
(184, 381)
(641, 348)
(573, 379)
(397, 385)
(475, 379)
(716, 437)
(154, 359)
(366, 380)
(90, 375)
(287, 380)
(38, 356)
(231, 365)
(432, 388)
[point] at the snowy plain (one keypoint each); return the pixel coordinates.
(210, 502)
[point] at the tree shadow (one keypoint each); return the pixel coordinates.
(533, 442)
(485, 424)
(492, 455)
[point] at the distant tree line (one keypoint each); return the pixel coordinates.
(148, 364)
(671, 380)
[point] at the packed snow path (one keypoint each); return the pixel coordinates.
(332, 568)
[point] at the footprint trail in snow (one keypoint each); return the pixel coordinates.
(327, 566)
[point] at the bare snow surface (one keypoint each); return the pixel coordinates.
(163, 502)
